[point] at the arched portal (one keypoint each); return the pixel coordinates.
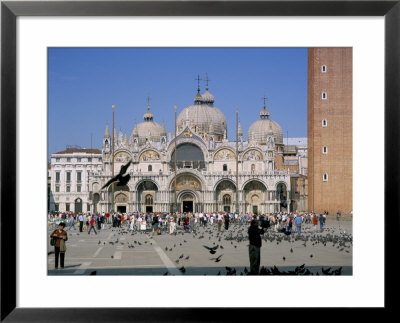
(78, 205)
(119, 198)
(187, 201)
(224, 195)
(282, 196)
(188, 189)
(188, 156)
(96, 199)
(254, 195)
(146, 195)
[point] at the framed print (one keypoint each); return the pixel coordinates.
(62, 63)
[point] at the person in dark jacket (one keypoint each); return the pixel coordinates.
(254, 247)
(60, 237)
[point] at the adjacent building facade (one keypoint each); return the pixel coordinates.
(330, 130)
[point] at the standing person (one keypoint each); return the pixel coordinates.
(172, 225)
(71, 222)
(219, 222)
(81, 219)
(92, 223)
(298, 220)
(191, 222)
(321, 219)
(59, 248)
(315, 222)
(132, 223)
(226, 220)
(254, 247)
(155, 224)
(103, 220)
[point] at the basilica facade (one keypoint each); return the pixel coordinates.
(192, 172)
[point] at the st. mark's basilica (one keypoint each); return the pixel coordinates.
(199, 175)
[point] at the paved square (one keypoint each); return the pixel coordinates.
(119, 252)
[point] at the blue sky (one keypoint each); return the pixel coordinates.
(83, 83)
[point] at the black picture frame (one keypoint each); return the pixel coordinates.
(10, 10)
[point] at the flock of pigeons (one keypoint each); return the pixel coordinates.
(236, 235)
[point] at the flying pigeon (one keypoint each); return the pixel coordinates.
(122, 180)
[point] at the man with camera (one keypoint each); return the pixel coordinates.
(254, 247)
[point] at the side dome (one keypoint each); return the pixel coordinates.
(264, 127)
(148, 129)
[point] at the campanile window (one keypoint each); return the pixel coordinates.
(324, 96)
(324, 123)
(323, 69)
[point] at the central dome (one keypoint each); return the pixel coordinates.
(203, 117)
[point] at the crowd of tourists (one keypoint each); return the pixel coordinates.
(163, 222)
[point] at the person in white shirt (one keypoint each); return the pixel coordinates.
(132, 222)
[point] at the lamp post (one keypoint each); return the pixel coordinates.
(175, 200)
(112, 159)
(237, 162)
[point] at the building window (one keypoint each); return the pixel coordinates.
(57, 160)
(150, 168)
(325, 177)
(57, 188)
(324, 96)
(78, 160)
(88, 206)
(324, 123)
(227, 199)
(68, 176)
(89, 159)
(57, 177)
(149, 199)
(225, 167)
(78, 188)
(324, 149)
(68, 159)
(56, 207)
(79, 177)
(67, 207)
(68, 188)
(323, 68)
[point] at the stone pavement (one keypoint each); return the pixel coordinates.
(119, 252)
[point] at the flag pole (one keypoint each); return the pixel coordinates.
(112, 160)
(175, 201)
(237, 161)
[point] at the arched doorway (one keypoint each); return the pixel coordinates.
(78, 205)
(224, 193)
(254, 195)
(187, 201)
(119, 198)
(146, 195)
(282, 196)
(96, 199)
(188, 191)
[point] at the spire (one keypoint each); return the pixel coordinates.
(126, 140)
(164, 132)
(198, 98)
(240, 132)
(135, 131)
(120, 136)
(107, 132)
(264, 113)
(207, 97)
(207, 80)
(148, 116)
